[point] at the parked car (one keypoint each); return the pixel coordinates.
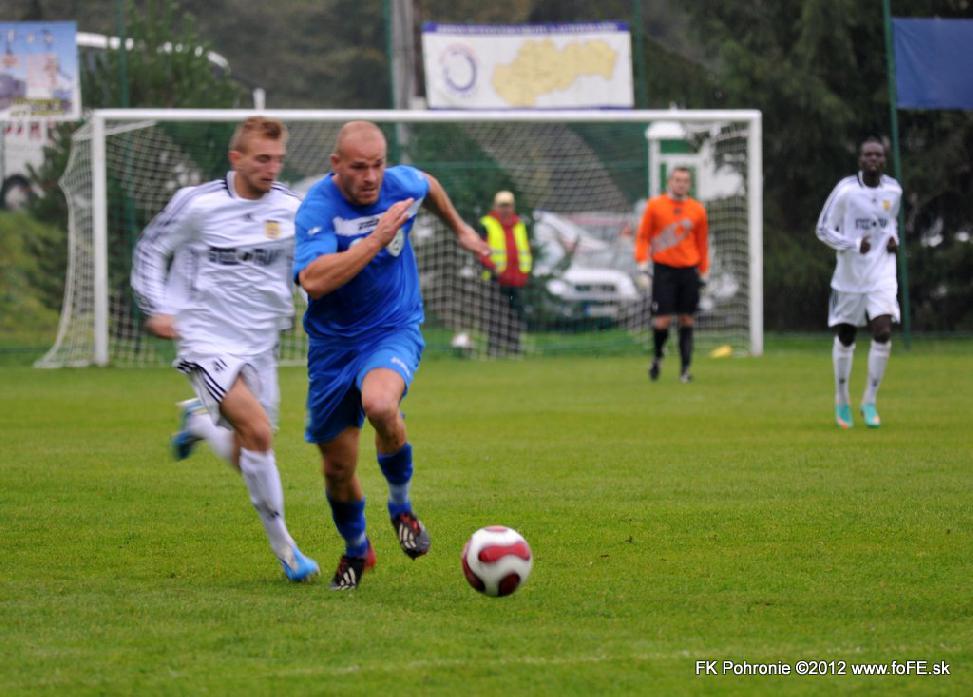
(589, 276)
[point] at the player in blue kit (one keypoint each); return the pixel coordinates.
(355, 262)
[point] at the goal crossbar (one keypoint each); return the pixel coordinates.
(99, 120)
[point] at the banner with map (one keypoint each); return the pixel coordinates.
(528, 66)
(39, 71)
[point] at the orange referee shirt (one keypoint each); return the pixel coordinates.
(674, 232)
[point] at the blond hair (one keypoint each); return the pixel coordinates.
(257, 126)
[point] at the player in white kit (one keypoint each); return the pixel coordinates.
(224, 299)
(859, 222)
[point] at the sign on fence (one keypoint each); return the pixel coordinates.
(39, 71)
(528, 66)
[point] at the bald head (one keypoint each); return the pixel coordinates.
(358, 162)
(355, 134)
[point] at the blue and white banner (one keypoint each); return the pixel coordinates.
(934, 63)
(39, 71)
(528, 66)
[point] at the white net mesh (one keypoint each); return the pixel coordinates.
(75, 341)
(579, 186)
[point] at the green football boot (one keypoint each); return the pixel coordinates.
(842, 416)
(870, 415)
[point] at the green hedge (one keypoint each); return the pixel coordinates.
(31, 280)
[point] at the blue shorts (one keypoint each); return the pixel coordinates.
(335, 374)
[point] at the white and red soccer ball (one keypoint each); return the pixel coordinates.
(497, 560)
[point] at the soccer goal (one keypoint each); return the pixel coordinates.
(580, 179)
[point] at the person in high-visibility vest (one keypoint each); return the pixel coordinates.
(509, 265)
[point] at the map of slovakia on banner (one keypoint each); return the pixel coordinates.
(528, 66)
(39, 71)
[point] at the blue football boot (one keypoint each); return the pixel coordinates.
(299, 568)
(183, 441)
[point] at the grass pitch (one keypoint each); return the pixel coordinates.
(723, 520)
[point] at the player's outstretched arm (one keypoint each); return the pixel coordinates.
(170, 229)
(329, 272)
(438, 201)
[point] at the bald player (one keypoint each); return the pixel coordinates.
(355, 261)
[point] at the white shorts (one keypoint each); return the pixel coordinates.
(212, 376)
(857, 308)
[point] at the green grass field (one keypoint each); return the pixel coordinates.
(727, 519)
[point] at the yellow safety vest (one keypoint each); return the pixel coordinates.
(497, 239)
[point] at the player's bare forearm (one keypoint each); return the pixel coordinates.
(162, 326)
(471, 242)
(329, 272)
(438, 201)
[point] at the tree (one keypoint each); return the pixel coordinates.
(30, 291)
(166, 66)
(816, 69)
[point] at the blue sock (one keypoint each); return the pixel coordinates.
(397, 469)
(349, 518)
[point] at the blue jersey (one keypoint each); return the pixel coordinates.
(385, 294)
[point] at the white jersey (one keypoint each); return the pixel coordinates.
(852, 211)
(229, 284)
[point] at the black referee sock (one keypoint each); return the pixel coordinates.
(685, 347)
(659, 338)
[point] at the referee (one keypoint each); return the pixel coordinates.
(673, 233)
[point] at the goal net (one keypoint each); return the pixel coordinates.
(580, 180)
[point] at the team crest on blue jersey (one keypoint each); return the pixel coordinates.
(272, 229)
(886, 204)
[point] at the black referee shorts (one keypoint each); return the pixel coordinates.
(675, 291)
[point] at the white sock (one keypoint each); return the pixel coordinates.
(220, 438)
(263, 482)
(878, 358)
(842, 357)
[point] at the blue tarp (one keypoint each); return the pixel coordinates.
(934, 63)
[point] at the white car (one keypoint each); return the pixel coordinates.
(591, 275)
(594, 292)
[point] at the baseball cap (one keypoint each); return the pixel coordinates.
(503, 198)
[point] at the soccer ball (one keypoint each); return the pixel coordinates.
(497, 560)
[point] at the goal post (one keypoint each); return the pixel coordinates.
(580, 178)
(755, 235)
